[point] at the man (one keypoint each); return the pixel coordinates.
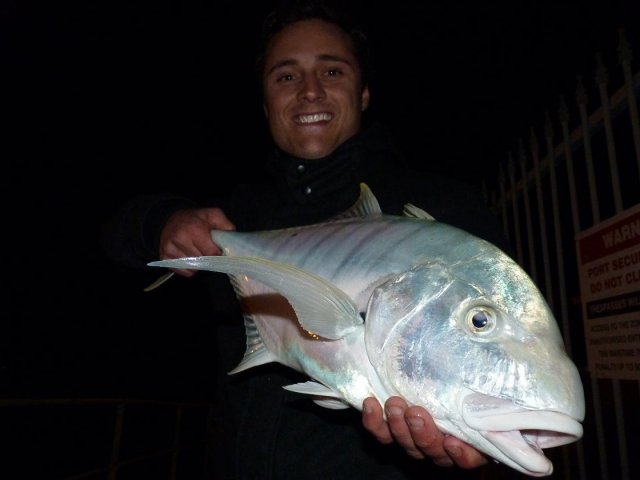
(314, 73)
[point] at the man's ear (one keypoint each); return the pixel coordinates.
(264, 109)
(364, 99)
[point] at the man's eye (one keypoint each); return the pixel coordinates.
(285, 78)
(334, 72)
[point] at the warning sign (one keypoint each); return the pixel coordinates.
(609, 269)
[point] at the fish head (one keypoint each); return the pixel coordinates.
(475, 343)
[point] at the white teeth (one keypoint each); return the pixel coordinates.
(316, 117)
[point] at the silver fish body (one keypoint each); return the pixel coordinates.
(451, 323)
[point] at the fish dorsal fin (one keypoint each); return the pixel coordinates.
(410, 210)
(322, 309)
(367, 204)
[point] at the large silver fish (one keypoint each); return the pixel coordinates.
(380, 305)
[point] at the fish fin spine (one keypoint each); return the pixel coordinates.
(410, 210)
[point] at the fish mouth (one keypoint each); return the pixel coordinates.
(520, 434)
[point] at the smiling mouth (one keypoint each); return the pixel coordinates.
(313, 118)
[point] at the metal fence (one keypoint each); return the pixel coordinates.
(106, 439)
(578, 169)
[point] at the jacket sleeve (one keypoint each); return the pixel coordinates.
(132, 235)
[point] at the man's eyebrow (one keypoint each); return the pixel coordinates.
(283, 63)
(325, 57)
(333, 58)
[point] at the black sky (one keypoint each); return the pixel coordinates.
(123, 85)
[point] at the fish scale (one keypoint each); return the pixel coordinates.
(309, 247)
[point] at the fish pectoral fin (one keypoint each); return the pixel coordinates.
(410, 210)
(314, 299)
(328, 398)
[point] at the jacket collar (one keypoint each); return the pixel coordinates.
(304, 182)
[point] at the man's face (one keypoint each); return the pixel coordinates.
(313, 97)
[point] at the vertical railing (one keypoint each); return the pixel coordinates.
(116, 460)
(601, 80)
(573, 160)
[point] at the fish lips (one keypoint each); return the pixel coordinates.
(520, 433)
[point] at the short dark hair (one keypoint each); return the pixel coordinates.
(293, 11)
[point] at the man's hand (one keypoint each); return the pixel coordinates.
(415, 431)
(187, 233)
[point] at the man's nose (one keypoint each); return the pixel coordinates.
(312, 89)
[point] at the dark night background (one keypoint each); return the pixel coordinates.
(105, 99)
(111, 98)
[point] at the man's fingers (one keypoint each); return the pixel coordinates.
(184, 273)
(373, 421)
(464, 455)
(395, 409)
(416, 432)
(426, 436)
(216, 218)
(204, 245)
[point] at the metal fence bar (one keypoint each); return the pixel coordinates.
(522, 160)
(562, 293)
(163, 452)
(542, 220)
(516, 212)
(624, 56)
(557, 233)
(581, 98)
(209, 433)
(176, 444)
(114, 463)
(505, 219)
(563, 115)
(601, 79)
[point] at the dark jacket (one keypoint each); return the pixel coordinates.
(298, 192)
(267, 432)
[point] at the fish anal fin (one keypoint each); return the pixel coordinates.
(254, 358)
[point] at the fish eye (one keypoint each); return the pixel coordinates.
(481, 320)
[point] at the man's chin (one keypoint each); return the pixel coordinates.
(312, 152)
